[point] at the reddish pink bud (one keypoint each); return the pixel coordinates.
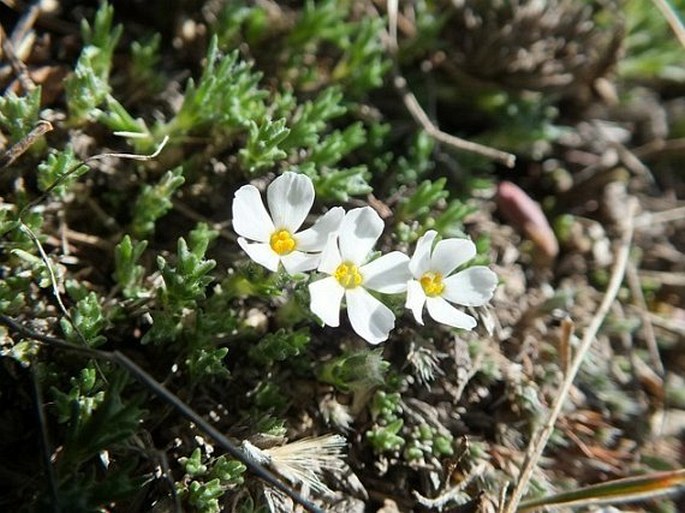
(525, 214)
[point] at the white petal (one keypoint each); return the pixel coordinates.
(298, 262)
(261, 253)
(290, 198)
(471, 287)
(387, 274)
(359, 231)
(420, 260)
(370, 318)
(315, 238)
(441, 311)
(250, 218)
(450, 254)
(325, 298)
(330, 257)
(416, 298)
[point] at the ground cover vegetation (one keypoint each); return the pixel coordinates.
(346, 256)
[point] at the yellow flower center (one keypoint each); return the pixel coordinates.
(432, 284)
(282, 242)
(348, 275)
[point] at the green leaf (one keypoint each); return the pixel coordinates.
(127, 273)
(88, 318)
(280, 346)
(262, 148)
(59, 172)
(19, 114)
(154, 201)
(113, 421)
(226, 98)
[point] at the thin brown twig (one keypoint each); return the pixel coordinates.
(19, 148)
(20, 69)
(649, 219)
(659, 147)
(539, 440)
(25, 24)
(647, 327)
(420, 116)
(673, 325)
(673, 279)
(131, 156)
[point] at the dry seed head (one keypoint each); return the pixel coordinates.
(304, 461)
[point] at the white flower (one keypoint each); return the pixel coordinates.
(434, 287)
(344, 260)
(275, 236)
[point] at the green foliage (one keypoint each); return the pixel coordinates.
(237, 19)
(89, 86)
(101, 425)
(207, 362)
(103, 37)
(385, 438)
(186, 282)
(651, 50)
(449, 222)
(363, 64)
(82, 396)
(184, 286)
(386, 406)
(207, 479)
(426, 210)
(358, 371)
(98, 418)
(145, 58)
(19, 114)
(60, 171)
(310, 118)
(85, 89)
(15, 235)
(290, 91)
(270, 397)
(425, 441)
(12, 295)
(418, 161)
(117, 118)
(337, 144)
(360, 61)
(280, 346)
(262, 148)
(154, 201)
(127, 273)
(419, 204)
(524, 125)
(35, 268)
(225, 98)
(340, 184)
(88, 321)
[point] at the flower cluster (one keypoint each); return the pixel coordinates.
(339, 244)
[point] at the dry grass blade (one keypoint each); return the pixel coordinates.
(628, 489)
(18, 149)
(539, 440)
(672, 19)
